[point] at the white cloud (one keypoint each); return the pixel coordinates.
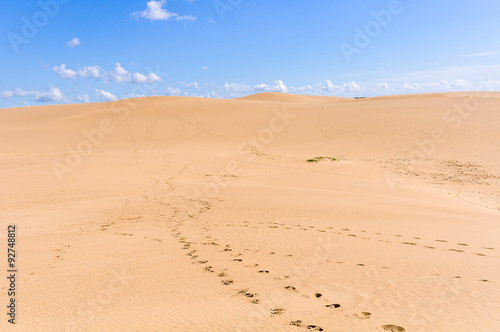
(140, 78)
(105, 95)
(328, 86)
(236, 87)
(90, 71)
(212, 94)
(435, 86)
(155, 11)
(118, 74)
(7, 94)
(172, 92)
(74, 42)
(204, 68)
(279, 86)
(192, 85)
(84, 98)
(53, 95)
(65, 73)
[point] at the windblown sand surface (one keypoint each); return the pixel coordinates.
(185, 214)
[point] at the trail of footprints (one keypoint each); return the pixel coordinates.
(458, 247)
(194, 249)
(253, 297)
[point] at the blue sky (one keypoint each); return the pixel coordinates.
(69, 51)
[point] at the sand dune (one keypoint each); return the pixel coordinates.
(271, 212)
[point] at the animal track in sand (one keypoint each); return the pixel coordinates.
(410, 243)
(263, 271)
(318, 295)
(462, 244)
(227, 282)
(334, 305)
(393, 328)
(456, 250)
(441, 241)
(291, 288)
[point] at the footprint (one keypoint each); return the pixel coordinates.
(441, 241)
(227, 282)
(410, 243)
(334, 305)
(277, 312)
(393, 328)
(318, 295)
(245, 292)
(291, 288)
(463, 244)
(364, 315)
(429, 247)
(456, 250)
(314, 328)
(263, 271)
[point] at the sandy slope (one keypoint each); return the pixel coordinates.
(185, 214)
